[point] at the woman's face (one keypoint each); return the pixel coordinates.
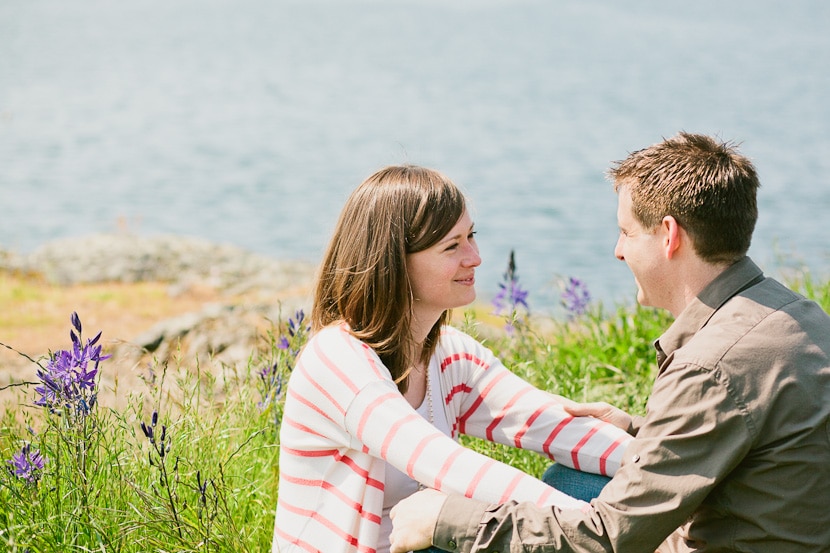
(443, 276)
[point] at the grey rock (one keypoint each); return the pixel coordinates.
(218, 335)
(181, 261)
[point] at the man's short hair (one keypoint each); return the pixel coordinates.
(705, 184)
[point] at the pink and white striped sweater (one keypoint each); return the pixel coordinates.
(344, 417)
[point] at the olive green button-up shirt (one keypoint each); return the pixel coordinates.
(732, 455)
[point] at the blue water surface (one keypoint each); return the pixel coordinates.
(249, 121)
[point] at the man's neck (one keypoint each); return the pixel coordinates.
(697, 276)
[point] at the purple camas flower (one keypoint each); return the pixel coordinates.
(149, 429)
(265, 373)
(297, 333)
(511, 295)
(160, 443)
(576, 297)
(295, 323)
(27, 464)
(271, 381)
(68, 380)
(271, 375)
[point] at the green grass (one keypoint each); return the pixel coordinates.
(105, 487)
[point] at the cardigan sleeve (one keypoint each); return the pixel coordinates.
(491, 402)
(384, 425)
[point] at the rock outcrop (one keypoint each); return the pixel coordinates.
(252, 294)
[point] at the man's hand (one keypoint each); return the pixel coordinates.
(414, 519)
(602, 411)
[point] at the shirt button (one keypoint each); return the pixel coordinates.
(452, 545)
(635, 458)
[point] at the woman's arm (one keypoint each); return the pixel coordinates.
(499, 406)
(384, 425)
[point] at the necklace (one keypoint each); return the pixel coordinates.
(431, 413)
(429, 398)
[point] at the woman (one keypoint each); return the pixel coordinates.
(384, 387)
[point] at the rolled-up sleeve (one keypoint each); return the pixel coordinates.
(467, 525)
(459, 522)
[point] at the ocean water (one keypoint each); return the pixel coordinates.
(249, 121)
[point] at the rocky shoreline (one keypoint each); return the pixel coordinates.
(180, 260)
(249, 292)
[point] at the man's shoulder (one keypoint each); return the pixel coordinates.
(768, 309)
(762, 325)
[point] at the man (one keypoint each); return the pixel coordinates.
(734, 451)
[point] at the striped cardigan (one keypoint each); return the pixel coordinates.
(344, 417)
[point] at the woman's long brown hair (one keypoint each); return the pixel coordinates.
(363, 280)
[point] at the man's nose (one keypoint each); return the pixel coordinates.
(618, 249)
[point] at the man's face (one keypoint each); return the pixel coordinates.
(643, 252)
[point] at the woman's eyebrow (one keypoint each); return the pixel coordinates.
(459, 235)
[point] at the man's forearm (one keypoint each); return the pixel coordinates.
(470, 526)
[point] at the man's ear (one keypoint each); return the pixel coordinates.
(673, 236)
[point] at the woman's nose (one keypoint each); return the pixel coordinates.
(473, 258)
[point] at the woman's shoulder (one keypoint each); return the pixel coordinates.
(335, 348)
(455, 340)
(336, 337)
(338, 331)
(461, 355)
(449, 333)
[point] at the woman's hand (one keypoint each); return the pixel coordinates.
(414, 520)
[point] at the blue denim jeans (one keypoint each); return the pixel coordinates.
(581, 485)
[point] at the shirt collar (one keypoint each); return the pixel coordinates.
(737, 277)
